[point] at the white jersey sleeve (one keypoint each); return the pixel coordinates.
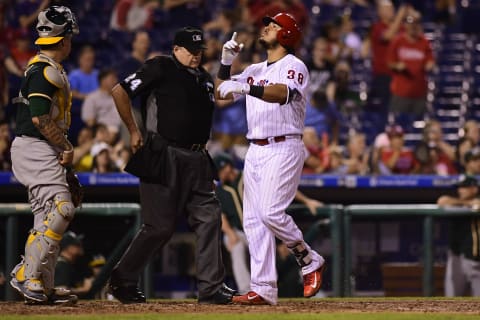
(296, 77)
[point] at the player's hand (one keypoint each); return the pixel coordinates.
(136, 141)
(230, 86)
(65, 158)
(313, 205)
(230, 50)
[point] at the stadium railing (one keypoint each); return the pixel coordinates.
(12, 212)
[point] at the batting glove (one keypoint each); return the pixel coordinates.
(230, 50)
(230, 86)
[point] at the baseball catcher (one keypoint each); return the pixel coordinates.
(40, 154)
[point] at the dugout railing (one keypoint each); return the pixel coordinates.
(339, 223)
(428, 213)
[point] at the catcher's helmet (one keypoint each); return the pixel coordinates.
(54, 23)
(290, 33)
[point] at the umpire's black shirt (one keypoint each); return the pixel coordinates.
(177, 102)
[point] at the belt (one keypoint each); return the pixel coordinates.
(264, 142)
(158, 139)
(197, 147)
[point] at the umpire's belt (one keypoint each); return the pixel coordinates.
(159, 140)
(264, 142)
(192, 147)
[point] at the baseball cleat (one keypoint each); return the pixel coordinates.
(221, 296)
(62, 296)
(127, 294)
(312, 282)
(28, 291)
(250, 298)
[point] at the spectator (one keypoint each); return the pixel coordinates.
(318, 159)
(323, 116)
(82, 159)
(140, 48)
(380, 142)
(102, 134)
(471, 129)
(433, 136)
(68, 273)
(464, 145)
(102, 161)
(339, 93)
(472, 161)
(185, 12)
(84, 79)
(336, 49)
(396, 158)
(445, 11)
(133, 15)
(260, 9)
(434, 154)
(463, 260)
(16, 62)
(381, 34)
(410, 57)
(337, 165)
(27, 13)
(319, 68)
(5, 143)
(230, 118)
(99, 106)
(20, 53)
(223, 26)
(350, 39)
(357, 156)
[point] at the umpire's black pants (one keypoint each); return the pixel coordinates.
(188, 189)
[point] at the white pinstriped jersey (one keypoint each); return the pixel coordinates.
(267, 119)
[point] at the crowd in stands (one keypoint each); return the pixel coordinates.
(392, 83)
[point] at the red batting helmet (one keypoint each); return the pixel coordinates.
(290, 33)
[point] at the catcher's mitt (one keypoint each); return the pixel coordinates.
(75, 187)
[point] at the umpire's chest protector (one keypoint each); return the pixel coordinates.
(185, 101)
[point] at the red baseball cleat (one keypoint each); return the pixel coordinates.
(250, 298)
(312, 282)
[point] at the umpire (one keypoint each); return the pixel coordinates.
(175, 170)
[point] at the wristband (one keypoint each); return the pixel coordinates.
(256, 91)
(224, 72)
(68, 151)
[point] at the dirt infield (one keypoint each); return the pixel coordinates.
(467, 306)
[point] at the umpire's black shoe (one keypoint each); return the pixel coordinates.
(232, 291)
(221, 296)
(127, 294)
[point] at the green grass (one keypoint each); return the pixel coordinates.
(254, 316)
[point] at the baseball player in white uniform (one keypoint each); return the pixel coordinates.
(275, 93)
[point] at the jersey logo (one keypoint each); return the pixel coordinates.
(262, 83)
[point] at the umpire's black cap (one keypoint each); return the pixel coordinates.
(190, 38)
